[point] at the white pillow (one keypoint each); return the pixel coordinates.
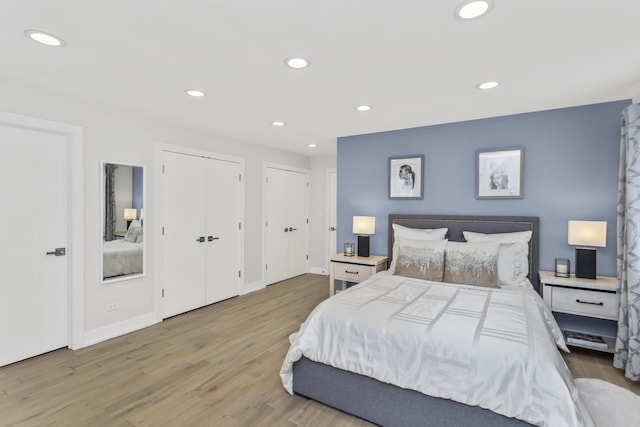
(402, 232)
(133, 231)
(418, 233)
(513, 258)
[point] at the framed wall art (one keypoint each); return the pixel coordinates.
(500, 173)
(406, 177)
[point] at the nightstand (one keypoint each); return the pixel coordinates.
(583, 305)
(353, 269)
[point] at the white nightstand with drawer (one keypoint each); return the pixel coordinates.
(353, 269)
(583, 305)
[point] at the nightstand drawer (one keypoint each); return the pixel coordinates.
(352, 272)
(585, 302)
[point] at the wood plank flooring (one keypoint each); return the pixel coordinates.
(216, 366)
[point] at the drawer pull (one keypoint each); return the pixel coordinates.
(588, 302)
(351, 272)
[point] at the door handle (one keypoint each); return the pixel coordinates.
(58, 252)
(286, 230)
(200, 239)
(292, 229)
(332, 229)
(211, 238)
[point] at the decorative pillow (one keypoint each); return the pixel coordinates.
(418, 233)
(132, 232)
(472, 263)
(139, 237)
(513, 258)
(420, 259)
(132, 235)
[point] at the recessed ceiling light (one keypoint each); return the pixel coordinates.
(312, 145)
(296, 63)
(195, 93)
(488, 85)
(363, 108)
(278, 123)
(45, 38)
(472, 9)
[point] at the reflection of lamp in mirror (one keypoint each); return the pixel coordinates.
(364, 226)
(586, 234)
(129, 215)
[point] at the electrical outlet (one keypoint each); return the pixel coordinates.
(112, 306)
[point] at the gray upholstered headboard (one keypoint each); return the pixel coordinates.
(480, 224)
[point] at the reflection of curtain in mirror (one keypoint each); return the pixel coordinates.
(109, 203)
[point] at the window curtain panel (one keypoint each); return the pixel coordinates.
(109, 202)
(627, 350)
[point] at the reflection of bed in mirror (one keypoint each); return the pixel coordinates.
(123, 257)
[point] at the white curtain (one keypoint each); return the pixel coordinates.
(627, 352)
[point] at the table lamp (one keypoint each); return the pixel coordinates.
(129, 215)
(585, 235)
(364, 226)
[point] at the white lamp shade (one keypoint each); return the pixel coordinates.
(588, 233)
(130, 214)
(364, 225)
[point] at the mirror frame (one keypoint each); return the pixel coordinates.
(122, 278)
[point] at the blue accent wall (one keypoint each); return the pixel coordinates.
(571, 160)
(137, 189)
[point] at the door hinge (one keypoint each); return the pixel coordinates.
(162, 293)
(266, 266)
(162, 168)
(267, 180)
(307, 185)
(163, 230)
(240, 177)
(307, 220)
(239, 273)
(307, 257)
(239, 226)
(266, 223)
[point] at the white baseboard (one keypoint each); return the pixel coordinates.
(111, 331)
(252, 287)
(318, 270)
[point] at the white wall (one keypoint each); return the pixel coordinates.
(115, 136)
(318, 252)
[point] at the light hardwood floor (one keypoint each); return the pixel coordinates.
(216, 366)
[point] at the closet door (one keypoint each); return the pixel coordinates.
(184, 224)
(224, 215)
(286, 228)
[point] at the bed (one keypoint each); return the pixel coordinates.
(124, 256)
(407, 351)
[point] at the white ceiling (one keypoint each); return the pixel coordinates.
(410, 59)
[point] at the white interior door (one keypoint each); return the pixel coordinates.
(277, 226)
(33, 221)
(224, 214)
(286, 229)
(332, 203)
(297, 212)
(184, 185)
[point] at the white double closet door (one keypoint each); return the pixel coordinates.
(202, 242)
(286, 227)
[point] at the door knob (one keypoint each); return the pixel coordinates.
(200, 239)
(286, 230)
(332, 229)
(58, 252)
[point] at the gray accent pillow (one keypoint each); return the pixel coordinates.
(472, 263)
(420, 259)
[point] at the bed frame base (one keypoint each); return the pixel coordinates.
(385, 404)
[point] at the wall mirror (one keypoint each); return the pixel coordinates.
(123, 236)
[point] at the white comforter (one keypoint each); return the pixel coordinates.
(120, 257)
(493, 348)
